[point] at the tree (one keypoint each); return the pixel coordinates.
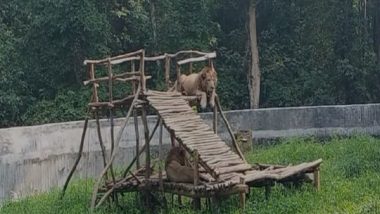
(254, 74)
(376, 29)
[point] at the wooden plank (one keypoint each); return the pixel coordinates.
(236, 168)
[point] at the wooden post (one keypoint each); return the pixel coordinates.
(191, 65)
(215, 119)
(135, 121)
(317, 181)
(94, 85)
(146, 136)
(110, 81)
(77, 160)
(172, 138)
(102, 147)
(147, 155)
(137, 134)
(242, 195)
(268, 190)
(160, 154)
(178, 70)
(142, 72)
(133, 68)
(197, 201)
(167, 71)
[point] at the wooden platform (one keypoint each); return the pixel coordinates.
(191, 131)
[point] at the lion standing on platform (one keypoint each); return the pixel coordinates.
(201, 84)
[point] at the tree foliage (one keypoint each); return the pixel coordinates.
(311, 52)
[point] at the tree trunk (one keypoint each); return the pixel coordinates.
(376, 29)
(254, 73)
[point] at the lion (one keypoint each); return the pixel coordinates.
(175, 167)
(201, 84)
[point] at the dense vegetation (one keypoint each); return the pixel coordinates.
(311, 52)
(350, 183)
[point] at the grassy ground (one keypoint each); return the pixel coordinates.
(350, 181)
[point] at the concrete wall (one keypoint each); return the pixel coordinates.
(36, 158)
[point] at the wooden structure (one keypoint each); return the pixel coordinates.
(225, 170)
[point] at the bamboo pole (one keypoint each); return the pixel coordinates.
(234, 143)
(77, 160)
(197, 201)
(112, 158)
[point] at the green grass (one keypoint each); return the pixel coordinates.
(350, 183)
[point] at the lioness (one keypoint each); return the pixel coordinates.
(201, 84)
(175, 168)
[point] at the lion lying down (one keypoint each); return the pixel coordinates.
(176, 169)
(201, 84)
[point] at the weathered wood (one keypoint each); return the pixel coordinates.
(102, 147)
(140, 151)
(102, 61)
(160, 154)
(142, 72)
(94, 86)
(197, 59)
(167, 71)
(137, 136)
(242, 195)
(234, 143)
(197, 201)
(77, 160)
(96, 187)
(317, 181)
(215, 119)
(236, 168)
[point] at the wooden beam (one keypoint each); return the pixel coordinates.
(234, 143)
(112, 158)
(197, 59)
(77, 160)
(102, 61)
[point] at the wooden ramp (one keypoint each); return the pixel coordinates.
(216, 156)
